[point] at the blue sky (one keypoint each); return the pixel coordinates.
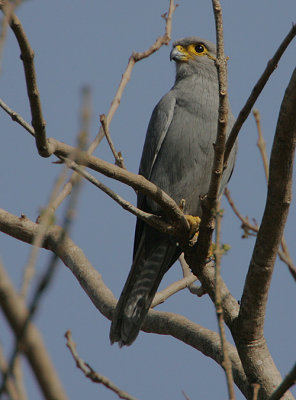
(89, 44)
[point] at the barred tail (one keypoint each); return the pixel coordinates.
(139, 290)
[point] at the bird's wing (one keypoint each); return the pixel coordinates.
(160, 121)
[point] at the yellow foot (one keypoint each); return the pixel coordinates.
(194, 224)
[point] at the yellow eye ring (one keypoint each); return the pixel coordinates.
(198, 49)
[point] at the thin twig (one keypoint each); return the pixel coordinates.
(118, 157)
(85, 119)
(197, 290)
(250, 322)
(8, 8)
(91, 374)
(47, 277)
(209, 203)
(33, 346)
(197, 255)
(219, 309)
(256, 387)
(185, 395)
(135, 57)
(16, 117)
(246, 224)
(284, 254)
(261, 144)
(164, 323)
(137, 182)
(170, 290)
(151, 219)
(288, 382)
(27, 57)
(45, 220)
(245, 111)
(11, 387)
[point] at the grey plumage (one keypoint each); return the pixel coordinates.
(177, 156)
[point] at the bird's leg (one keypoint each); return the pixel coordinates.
(192, 221)
(193, 224)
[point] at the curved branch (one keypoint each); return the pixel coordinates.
(27, 57)
(32, 343)
(245, 111)
(253, 303)
(248, 333)
(165, 323)
(288, 382)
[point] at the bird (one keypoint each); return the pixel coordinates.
(177, 156)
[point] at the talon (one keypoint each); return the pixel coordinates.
(182, 204)
(194, 223)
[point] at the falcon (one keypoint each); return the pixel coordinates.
(178, 156)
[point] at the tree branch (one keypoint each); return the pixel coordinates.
(197, 259)
(248, 333)
(90, 373)
(209, 203)
(32, 343)
(151, 219)
(245, 111)
(219, 309)
(137, 182)
(288, 382)
(276, 211)
(134, 58)
(194, 335)
(27, 57)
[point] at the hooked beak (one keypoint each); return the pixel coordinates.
(177, 55)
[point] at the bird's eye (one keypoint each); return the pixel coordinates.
(199, 48)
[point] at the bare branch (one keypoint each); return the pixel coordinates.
(197, 259)
(261, 143)
(251, 318)
(284, 254)
(209, 204)
(194, 335)
(32, 343)
(245, 111)
(134, 58)
(170, 290)
(151, 219)
(16, 117)
(124, 80)
(118, 158)
(27, 57)
(137, 182)
(256, 387)
(91, 374)
(286, 258)
(197, 290)
(288, 382)
(46, 279)
(11, 387)
(219, 309)
(246, 226)
(45, 221)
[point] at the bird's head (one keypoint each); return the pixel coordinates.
(193, 54)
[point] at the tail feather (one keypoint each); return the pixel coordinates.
(139, 290)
